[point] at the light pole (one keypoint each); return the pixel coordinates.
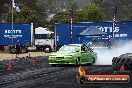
(114, 20)
(12, 19)
(71, 24)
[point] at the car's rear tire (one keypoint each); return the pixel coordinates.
(92, 61)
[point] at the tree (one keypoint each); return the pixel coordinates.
(124, 7)
(72, 4)
(91, 12)
(29, 3)
(27, 15)
(4, 4)
(129, 17)
(62, 17)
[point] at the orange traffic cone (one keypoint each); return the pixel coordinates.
(34, 62)
(9, 66)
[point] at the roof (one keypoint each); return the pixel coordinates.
(76, 44)
(41, 30)
(92, 31)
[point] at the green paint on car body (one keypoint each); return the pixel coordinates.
(73, 54)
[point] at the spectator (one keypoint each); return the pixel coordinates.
(17, 49)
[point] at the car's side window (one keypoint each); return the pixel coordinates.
(83, 48)
(89, 49)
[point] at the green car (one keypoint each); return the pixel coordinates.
(76, 54)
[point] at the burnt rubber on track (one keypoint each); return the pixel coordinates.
(24, 75)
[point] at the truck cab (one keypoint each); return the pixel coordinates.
(44, 39)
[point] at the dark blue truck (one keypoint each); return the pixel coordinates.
(122, 31)
(20, 34)
(24, 37)
(23, 34)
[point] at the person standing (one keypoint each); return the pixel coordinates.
(17, 46)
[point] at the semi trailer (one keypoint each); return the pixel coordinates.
(24, 35)
(68, 33)
(40, 38)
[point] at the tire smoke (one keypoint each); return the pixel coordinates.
(105, 55)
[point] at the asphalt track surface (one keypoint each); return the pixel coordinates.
(43, 75)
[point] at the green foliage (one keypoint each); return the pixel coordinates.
(29, 3)
(129, 17)
(3, 8)
(40, 9)
(27, 15)
(62, 17)
(89, 13)
(72, 4)
(2, 2)
(124, 8)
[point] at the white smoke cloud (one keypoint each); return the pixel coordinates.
(105, 55)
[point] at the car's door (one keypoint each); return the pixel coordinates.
(84, 54)
(89, 53)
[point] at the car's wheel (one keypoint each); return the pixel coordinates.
(78, 62)
(13, 50)
(53, 65)
(47, 49)
(92, 61)
(23, 50)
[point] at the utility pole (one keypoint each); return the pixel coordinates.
(71, 24)
(113, 26)
(114, 20)
(12, 19)
(12, 22)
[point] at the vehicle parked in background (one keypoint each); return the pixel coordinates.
(75, 54)
(41, 39)
(121, 32)
(29, 39)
